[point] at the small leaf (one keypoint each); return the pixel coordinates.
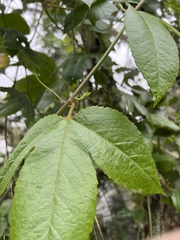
(74, 18)
(176, 199)
(101, 9)
(77, 64)
(30, 87)
(154, 51)
(164, 161)
(175, 5)
(4, 60)
(163, 122)
(15, 22)
(14, 40)
(16, 102)
(39, 62)
(88, 2)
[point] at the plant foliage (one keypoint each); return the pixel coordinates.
(129, 139)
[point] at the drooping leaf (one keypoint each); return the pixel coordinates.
(55, 194)
(101, 9)
(154, 51)
(15, 22)
(74, 18)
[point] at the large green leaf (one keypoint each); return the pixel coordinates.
(118, 149)
(15, 22)
(55, 194)
(154, 51)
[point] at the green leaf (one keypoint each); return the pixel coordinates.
(22, 150)
(118, 149)
(164, 161)
(5, 207)
(55, 194)
(60, 182)
(74, 18)
(40, 63)
(77, 64)
(30, 87)
(154, 51)
(175, 5)
(101, 9)
(176, 199)
(15, 22)
(13, 40)
(88, 2)
(162, 122)
(16, 102)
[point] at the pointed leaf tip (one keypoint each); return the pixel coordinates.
(118, 149)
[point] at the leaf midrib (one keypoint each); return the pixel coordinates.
(56, 182)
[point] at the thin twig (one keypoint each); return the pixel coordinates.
(52, 20)
(6, 137)
(149, 216)
(36, 27)
(48, 88)
(99, 228)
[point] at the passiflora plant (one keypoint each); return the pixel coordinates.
(55, 195)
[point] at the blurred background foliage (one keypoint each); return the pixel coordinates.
(56, 43)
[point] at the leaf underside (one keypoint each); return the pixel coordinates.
(154, 51)
(55, 194)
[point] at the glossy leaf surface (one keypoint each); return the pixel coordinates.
(154, 51)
